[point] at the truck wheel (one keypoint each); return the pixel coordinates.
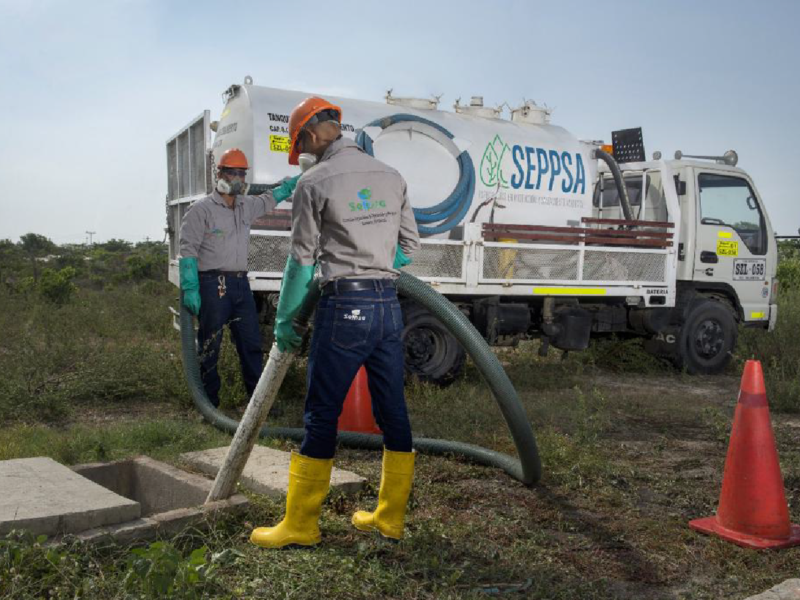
(432, 354)
(707, 338)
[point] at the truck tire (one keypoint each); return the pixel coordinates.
(432, 354)
(707, 338)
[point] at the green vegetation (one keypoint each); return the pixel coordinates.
(631, 449)
(779, 351)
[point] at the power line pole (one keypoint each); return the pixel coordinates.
(90, 234)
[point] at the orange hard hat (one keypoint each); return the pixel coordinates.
(300, 117)
(233, 158)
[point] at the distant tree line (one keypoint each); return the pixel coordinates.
(35, 264)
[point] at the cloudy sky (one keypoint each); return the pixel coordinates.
(90, 91)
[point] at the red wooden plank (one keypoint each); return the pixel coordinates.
(625, 242)
(515, 227)
(512, 231)
(574, 239)
(629, 234)
(608, 241)
(626, 222)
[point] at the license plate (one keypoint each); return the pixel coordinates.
(749, 269)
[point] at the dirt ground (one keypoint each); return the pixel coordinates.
(666, 437)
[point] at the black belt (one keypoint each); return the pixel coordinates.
(357, 285)
(217, 273)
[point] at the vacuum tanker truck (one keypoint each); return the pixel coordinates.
(529, 230)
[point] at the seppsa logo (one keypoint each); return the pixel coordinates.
(364, 201)
(525, 167)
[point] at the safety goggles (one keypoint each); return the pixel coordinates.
(328, 114)
(234, 172)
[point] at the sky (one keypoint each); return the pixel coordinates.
(91, 91)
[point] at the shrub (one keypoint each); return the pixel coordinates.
(779, 353)
(789, 265)
(57, 286)
(161, 571)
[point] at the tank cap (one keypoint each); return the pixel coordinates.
(248, 80)
(531, 113)
(419, 103)
(477, 109)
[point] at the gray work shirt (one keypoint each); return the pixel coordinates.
(219, 236)
(349, 212)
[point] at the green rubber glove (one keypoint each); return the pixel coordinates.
(294, 289)
(400, 259)
(285, 189)
(190, 284)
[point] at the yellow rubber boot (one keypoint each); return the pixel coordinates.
(309, 480)
(389, 518)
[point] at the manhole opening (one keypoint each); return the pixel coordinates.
(157, 487)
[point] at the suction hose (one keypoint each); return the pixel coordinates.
(450, 211)
(618, 180)
(527, 469)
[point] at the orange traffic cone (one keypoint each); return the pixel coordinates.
(752, 508)
(357, 410)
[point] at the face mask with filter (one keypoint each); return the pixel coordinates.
(306, 160)
(234, 187)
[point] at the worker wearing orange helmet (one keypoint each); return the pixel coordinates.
(214, 240)
(352, 221)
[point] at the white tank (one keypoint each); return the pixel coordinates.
(455, 165)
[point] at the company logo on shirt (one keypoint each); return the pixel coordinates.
(216, 232)
(364, 201)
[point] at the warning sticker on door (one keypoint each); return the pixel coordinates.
(726, 248)
(279, 143)
(749, 269)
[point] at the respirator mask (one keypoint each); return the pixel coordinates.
(232, 183)
(306, 160)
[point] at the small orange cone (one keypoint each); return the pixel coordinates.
(752, 508)
(357, 410)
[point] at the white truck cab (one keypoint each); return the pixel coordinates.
(726, 256)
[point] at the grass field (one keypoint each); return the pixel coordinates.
(631, 451)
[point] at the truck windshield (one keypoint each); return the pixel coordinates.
(731, 202)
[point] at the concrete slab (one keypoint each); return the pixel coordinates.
(45, 497)
(788, 590)
(267, 470)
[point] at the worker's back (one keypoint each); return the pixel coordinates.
(356, 206)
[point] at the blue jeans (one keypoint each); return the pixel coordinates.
(352, 329)
(237, 309)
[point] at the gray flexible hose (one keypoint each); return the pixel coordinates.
(616, 173)
(527, 469)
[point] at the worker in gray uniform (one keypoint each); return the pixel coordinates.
(214, 240)
(351, 220)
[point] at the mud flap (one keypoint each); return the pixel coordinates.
(665, 344)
